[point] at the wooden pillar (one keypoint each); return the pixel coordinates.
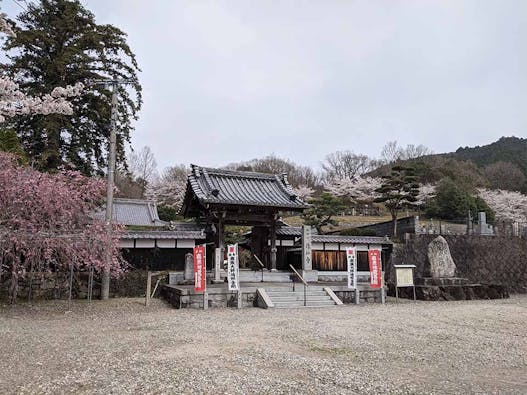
(273, 245)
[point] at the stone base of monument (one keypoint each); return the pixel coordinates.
(442, 290)
(441, 281)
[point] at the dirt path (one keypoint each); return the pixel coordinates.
(122, 347)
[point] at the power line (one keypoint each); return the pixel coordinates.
(20, 5)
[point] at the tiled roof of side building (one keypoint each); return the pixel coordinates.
(297, 232)
(136, 212)
(351, 239)
(218, 186)
(178, 230)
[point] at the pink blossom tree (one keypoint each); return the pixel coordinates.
(45, 223)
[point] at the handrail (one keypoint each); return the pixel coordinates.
(261, 265)
(259, 261)
(299, 276)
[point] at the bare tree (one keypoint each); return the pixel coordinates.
(392, 153)
(347, 165)
(505, 175)
(297, 175)
(143, 167)
(415, 151)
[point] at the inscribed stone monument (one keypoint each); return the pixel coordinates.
(441, 262)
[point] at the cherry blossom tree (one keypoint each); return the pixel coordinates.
(358, 189)
(45, 223)
(304, 192)
(169, 189)
(15, 102)
(426, 192)
(508, 206)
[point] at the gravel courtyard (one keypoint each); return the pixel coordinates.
(123, 347)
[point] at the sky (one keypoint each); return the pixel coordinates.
(229, 81)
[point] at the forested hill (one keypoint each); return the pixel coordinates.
(499, 165)
(506, 149)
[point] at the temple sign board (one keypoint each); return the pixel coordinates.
(306, 248)
(404, 277)
(233, 268)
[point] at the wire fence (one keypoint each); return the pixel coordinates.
(465, 227)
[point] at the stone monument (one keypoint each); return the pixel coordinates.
(189, 268)
(442, 283)
(441, 263)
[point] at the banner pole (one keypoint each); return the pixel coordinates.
(205, 293)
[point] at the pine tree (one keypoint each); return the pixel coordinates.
(323, 209)
(58, 43)
(398, 189)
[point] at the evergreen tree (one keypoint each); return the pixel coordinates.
(58, 43)
(9, 143)
(398, 190)
(453, 202)
(323, 209)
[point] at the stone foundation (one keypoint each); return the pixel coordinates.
(366, 296)
(187, 298)
(452, 292)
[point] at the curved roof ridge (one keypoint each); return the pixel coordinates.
(237, 173)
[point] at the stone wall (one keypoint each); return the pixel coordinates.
(481, 259)
(55, 285)
(404, 225)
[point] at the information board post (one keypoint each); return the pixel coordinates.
(404, 277)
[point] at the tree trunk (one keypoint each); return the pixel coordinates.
(394, 223)
(13, 288)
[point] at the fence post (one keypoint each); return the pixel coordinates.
(148, 288)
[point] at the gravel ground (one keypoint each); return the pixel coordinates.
(121, 346)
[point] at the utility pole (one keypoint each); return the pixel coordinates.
(105, 279)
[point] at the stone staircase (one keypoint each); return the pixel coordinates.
(287, 298)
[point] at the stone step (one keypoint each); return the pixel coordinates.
(297, 289)
(321, 303)
(299, 297)
(320, 292)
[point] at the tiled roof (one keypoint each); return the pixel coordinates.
(350, 239)
(218, 186)
(136, 212)
(178, 231)
(297, 231)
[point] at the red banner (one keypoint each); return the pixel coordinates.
(200, 273)
(374, 259)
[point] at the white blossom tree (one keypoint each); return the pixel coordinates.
(304, 192)
(508, 206)
(426, 192)
(358, 189)
(15, 102)
(169, 189)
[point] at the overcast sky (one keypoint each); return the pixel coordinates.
(227, 81)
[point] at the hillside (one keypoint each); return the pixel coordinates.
(499, 165)
(506, 149)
